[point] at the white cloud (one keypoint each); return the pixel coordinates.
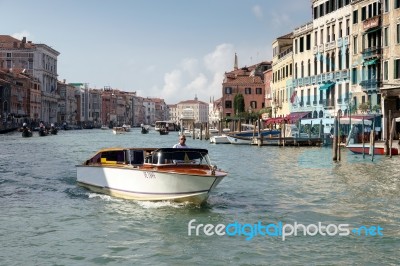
(195, 77)
(257, 11)
(20, 35)
(191, 66)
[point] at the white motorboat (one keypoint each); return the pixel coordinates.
(222, 139)
(126, 127)
(151, 174)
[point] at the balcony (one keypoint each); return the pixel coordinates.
(313, 79)
(371, 52)
(322, 102)
(306, 81)
(321, 48)
(346, 40)
(319, 79)
(329, 76)
(345, 74)
(308, 103)
(330, 45)
(315, 50)
(369, 85)
(337, 75)
(339, 42)
(300, 82)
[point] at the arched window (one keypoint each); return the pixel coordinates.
(315, 114)
(327, 62)
(321, 114)
(295, 71)
(333, 62)
(340, 59)
(315, 65)
(321, 64)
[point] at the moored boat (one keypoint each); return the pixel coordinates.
(118, 130)
(359, 142)
(151, 174)
(222, 139)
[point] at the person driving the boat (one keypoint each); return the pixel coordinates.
(182, 142)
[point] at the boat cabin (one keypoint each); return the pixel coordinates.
(137, 157)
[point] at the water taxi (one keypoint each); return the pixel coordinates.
(151, 174)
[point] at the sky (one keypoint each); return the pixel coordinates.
(170, 49)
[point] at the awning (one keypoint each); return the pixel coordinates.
(326, 85)
(294, 117)
(370, 62)
(370, 30)
(289, 119)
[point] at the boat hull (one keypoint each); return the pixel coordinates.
(239, 140)
(137, 184)
(359, 149)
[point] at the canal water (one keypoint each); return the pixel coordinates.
(46, 219)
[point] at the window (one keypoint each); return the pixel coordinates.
(228, 90)
(247, 91)
(340, 60)
(8, 54)
(396, 3)
(308, 42)
(398, 33)
(385, 36)
(258, 91)
(347, 27)
(355, 16)
(228, 104)
(333, 62)
(385, 70)
(397, 68)
(290, 69)
(386, 6)
(321, 36)
(301, 44)
(355, 45)
(327, 65)
(328, 37)
(363, 13)
(295, 46)
(253, 104)
(340, 29)
(302, 69)
(315, 65)
(333, 33)
(316, 38)
(354, 76)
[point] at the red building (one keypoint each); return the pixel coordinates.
(248, 81)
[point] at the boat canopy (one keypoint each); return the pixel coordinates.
(173, 155)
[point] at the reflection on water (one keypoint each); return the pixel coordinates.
(61, 223)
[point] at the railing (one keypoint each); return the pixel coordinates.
(306, 81)
(371, 84)
(371, 52)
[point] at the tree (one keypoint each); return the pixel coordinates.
(238, 103)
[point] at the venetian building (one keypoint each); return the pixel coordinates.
(281, 86)
(390, 62)
(366, 56)
(248, 81)
(322, 60)
(38, 60)
(67, 104)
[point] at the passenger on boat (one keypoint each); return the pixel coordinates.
(182, 142)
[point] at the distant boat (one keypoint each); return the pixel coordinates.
(7, 130)
(26, 133)
(118, 130)
(145, 129)
(104, 127)
(163, 131)
(127, 128)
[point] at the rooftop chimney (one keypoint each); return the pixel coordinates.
(24, 40)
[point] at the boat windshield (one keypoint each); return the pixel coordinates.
(178, 156)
